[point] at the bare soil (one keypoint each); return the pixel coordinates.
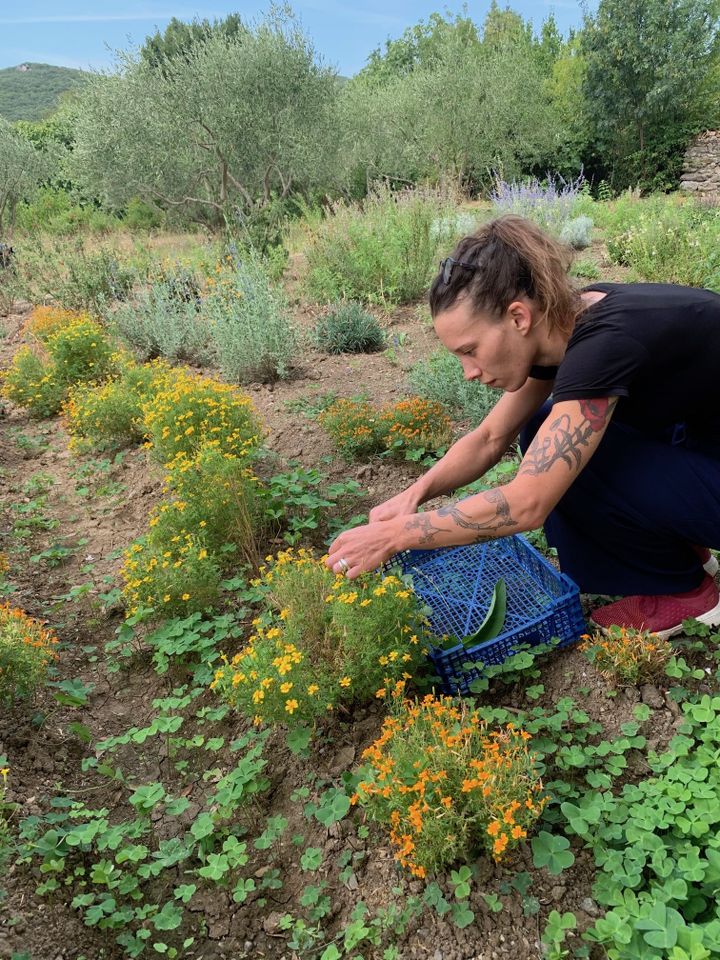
(45, 755)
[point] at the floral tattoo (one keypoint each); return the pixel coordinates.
(498, 525)
(566, 443)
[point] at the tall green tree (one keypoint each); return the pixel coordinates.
(231, 124)
(22, 168)
(420, 46)
(468, 111)
(179, 37)
(647, 67)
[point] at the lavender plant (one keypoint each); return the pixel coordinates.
(550, 204)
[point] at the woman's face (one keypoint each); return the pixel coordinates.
(499, 353)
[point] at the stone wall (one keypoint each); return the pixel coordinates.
(701, 169)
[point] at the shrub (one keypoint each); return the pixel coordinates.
(252, 335)
(585, 269)
(110, 415)
(440, 378)
(164, 320)
(384, 250)
(140, 215)
(321, 642)
(348, 328)
(414, 427)
(43, 322)
(628, 656)
(353, 427)
(26, 652)
(177, 567)
(71, 276)
(191, 409)
(170, 578)
(444, 784)
(577, 233)
(81, 352)
(671, 243)
(551, 205)
(75, 352)
(230, 517)
(53, 211)
(30, 382)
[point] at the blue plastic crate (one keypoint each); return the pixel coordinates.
(457, 584)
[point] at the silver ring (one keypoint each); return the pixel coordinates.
(343, 564)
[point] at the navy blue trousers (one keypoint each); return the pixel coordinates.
(626, 524)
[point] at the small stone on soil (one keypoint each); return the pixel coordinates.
(651, 696)
(588, 906)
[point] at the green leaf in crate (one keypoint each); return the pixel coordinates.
(494, 621)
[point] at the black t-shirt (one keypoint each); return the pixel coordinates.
(654, 345)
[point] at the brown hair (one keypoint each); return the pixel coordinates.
(510, 256)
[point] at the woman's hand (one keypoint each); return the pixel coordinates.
(364, 548)
(398, 506)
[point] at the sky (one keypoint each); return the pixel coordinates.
(84, 34)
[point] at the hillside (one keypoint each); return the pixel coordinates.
(31, 91)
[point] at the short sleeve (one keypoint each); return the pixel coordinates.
(601, 361)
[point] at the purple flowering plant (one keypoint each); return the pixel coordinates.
(549, 203)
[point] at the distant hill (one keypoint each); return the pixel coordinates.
(31, 91)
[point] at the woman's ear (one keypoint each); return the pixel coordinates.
(520, 315)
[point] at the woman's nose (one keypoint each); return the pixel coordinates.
(471, 371)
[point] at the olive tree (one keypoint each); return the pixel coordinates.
(232, 123)
(471, 110)
(22, 168)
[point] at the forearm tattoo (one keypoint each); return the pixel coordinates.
(423, 523)
(566, 443)
(484, 530)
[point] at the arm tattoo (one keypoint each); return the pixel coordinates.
(423, 523)
(484, 530)
(566, 443)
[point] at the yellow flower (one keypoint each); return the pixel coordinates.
(185, 596)
(345, 681)
(286, 687)
(291, 706)
(313, 689)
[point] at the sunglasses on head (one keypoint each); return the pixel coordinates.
(448, 265)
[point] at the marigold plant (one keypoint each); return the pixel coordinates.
(43, 321)
(30, 382)
(415, 425)
(39, 378)
(109, 415)
(192, 409)
(322, 641)
(81, 351)
(408, 428)
(170, 578)
(445, 784)
(26, 651)
(353, 427)
(177, 567)
(626, 655)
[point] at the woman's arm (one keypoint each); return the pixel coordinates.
(561, 448)
(474, 454)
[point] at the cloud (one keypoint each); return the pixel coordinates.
(102, 18)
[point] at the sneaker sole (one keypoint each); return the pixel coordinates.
(711, 618)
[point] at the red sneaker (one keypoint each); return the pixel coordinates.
(709, 560)
(663, 615)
